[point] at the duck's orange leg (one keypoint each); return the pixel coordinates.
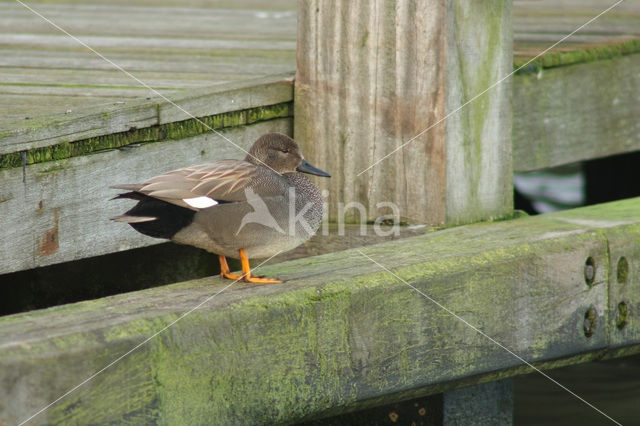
(246, 272)
(225, 272)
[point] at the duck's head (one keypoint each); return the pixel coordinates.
(282, 154)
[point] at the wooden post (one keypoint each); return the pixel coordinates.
(371, 75)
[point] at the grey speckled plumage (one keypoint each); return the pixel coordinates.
(254, 208)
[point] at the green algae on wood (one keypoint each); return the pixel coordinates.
(124, 115)
(338, 334)
(177, 130)
(523, 64)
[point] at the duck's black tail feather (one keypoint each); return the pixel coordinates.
(153, 217)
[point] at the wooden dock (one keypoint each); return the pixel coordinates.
(334, 337)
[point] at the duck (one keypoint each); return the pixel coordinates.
(244, 209)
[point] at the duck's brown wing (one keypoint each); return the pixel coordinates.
(202, 186)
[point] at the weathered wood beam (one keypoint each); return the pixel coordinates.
(371, 75)
(577, 112)
(23, 135)
(340, 333)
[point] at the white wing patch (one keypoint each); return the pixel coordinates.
(133, 219)
(200, 202)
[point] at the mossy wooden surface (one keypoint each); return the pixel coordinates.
(158, 264)
(573, 113)
(155, 133)
(338, 334)
(539, 24)
(578, 54)
(38, 133)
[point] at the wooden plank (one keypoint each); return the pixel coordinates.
(622, 233)
(194, 44)
(144, 113)
(19, 109)
(22, 135)
(98, 78)
(98, 43)
(609, 136)
(624, 270)
(373, 75)
(567, 114)
(64, 207)
(540, 23)
(234, 96)
(112, 93)
(204, 20)
(340, 333)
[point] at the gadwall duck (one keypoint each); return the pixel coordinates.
(247, 209)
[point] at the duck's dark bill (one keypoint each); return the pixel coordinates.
(308, 168)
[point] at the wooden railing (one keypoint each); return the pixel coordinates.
(342, 331)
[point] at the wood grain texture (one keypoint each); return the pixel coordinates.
(573, 113)
(61, 212)
(74, 125)
(624, 270)
(372, 75)
(171, 47)
(340, 333)
(479, 54)
(540, 23)
(234, 96)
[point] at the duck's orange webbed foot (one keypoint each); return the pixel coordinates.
(246, 276)
(260, 280)
(225, 272)
(246, 272)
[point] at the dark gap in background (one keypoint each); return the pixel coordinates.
(101, 276)
(612, 178)
(606, 179)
